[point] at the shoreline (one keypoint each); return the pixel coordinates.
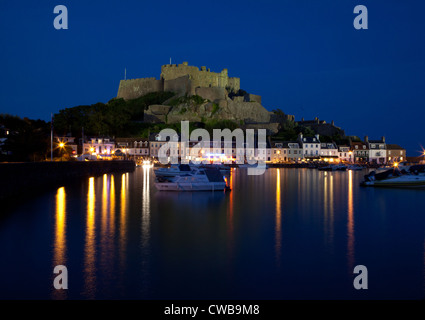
(18, 178)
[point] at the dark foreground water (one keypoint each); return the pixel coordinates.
(287, 234)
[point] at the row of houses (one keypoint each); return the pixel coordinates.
(312, 149)
(303, 149)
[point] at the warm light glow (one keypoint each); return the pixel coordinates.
(61, 145)
(278, 218)
(91, 149)
(395, 164)
(90, 244)
(59, 247)
(123, 220)
(350, 224)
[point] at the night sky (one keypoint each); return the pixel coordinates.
(302, 56)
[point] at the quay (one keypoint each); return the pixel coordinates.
(18, 179)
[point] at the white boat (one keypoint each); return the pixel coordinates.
(201, 179)
(173, 170)
(393, 178)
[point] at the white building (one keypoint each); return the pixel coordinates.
(102, 147)
(310, 146)
(377, 150)
(345, 154)
(329, 151)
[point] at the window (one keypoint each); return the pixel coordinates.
(357, 147)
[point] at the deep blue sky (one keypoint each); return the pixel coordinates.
(302, 56)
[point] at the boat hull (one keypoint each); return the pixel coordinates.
(404, 182)
(197, 186)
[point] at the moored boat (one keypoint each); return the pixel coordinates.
(201, 179)
(355, 167)
(333, 167)
(393, 178)
(173, 170)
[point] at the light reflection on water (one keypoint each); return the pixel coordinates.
(287, 234)
(59, 246)
(90, 245)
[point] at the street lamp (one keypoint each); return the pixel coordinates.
(61, 147)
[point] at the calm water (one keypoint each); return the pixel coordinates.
(288, 234)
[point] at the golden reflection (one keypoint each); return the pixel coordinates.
(90, 245)
(59, 254)
(112, 209)
(230, 214)
(104, 205)
(278, 219)
(145, 209)
(123, 218)
(350, 223)
(328, 208)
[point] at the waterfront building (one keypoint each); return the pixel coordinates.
(310, 146)
(134, 148)
(360, 152)
(395, 153)
(345, 154)
(156, 141)
(101, 147)
(329, 151)
(286, 151)
(377, 150)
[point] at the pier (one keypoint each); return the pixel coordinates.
(16, 179)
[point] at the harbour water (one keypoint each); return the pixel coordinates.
(287, 234)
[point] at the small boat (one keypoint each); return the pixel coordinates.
(333, 167)
(393, 178)
(173, 170)
(201, 179)
(355, 167)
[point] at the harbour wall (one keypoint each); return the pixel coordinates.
(18, 179)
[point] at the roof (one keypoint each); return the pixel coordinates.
(328, 145)
(394, 147)
(285, 144)
(120, 140)
(310, 140)
(360, 144)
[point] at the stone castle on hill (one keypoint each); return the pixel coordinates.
(181, 79)
(222, 98)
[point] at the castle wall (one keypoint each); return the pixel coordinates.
(253, 97)
(134, 88)
(211, 94)
(199, 78)
(180, 85)
(234, 83)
